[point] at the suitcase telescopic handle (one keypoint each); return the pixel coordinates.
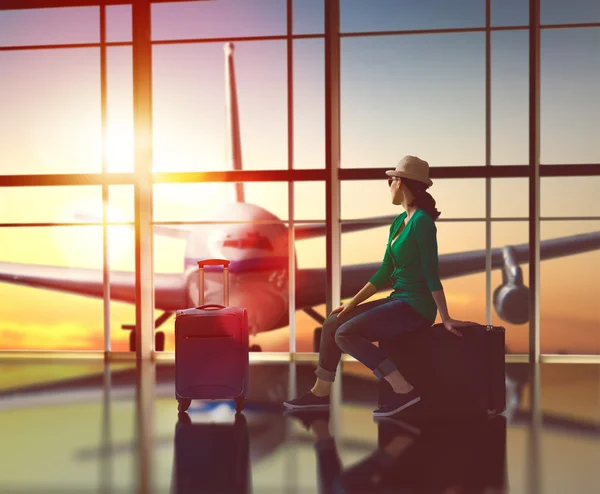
(213, 262)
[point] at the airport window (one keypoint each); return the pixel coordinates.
(402, 93)
(510, 198)
(191, 113)
(569, 290)
(392, 15)
(510, 300)
(310, 289)
(569, 196)
(63, 319)
(509, 97)
(371, 198)
(309, 201)
(509, 13)
(425, 93)
(118, 23)
(67, 204)
(59, 26)
(54, 127)
(219, 201)
(573, 12)
(569, 96)
(309, 103)
(119, 135)
(222, 19)
(308, 16)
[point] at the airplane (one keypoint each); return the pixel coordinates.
(259, 257)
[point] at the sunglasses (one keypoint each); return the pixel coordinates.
(390, 180)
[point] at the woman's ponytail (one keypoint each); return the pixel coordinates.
(423, 199)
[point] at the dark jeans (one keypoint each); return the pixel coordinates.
(355, 331)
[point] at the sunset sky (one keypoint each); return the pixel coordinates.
(417, 94)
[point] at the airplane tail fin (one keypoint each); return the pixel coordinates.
(233, 120)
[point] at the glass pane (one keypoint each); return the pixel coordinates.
(121, 250)
(573, 12)
(455, 198)
(121, 203)
(310, 254)
(49, 26)
(392, 106)
(52, 127)
(309, 17)
(511, 233)
(510, 97)
(118, 23)
(119, 138)
(510, 198)
(258, 275)
(570, 76)
(60, 321)
(222, 19)
(309, 103)
(216, 201)
(64, 204)
(190, 117)
(390, 15)
(570, 196)
(570, 316)
(309, 201)
(510, 13)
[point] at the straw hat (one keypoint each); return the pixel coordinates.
(413, 168)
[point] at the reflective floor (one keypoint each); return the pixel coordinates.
(89, 427)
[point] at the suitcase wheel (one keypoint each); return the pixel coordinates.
(240, 403)
(183, 404)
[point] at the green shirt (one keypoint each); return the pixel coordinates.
(411, 262)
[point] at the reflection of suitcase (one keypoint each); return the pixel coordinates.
(211, 348)
(470, 454)
(455, 376)
(211, 457)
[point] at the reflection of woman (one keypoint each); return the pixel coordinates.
(411, 262)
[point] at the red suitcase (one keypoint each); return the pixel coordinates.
(211, 348)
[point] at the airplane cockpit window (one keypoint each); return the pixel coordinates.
(252, 240)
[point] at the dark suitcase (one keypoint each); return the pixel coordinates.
(469, 454)
(455, 376)
(211, 457)
(211, 348)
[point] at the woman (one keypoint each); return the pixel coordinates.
(411, 262)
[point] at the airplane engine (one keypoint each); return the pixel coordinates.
(512, 303)
(511, 298)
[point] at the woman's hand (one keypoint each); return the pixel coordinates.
(343, 309)
(452, 324)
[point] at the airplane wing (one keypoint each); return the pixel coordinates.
(170, 293)
(313, 230)
(310, 283)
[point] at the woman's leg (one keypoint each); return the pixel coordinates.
(329, 352)
(393, 318)
(356, 336)
(329, 357)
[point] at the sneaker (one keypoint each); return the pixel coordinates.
(308, 401)
(397, 402)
